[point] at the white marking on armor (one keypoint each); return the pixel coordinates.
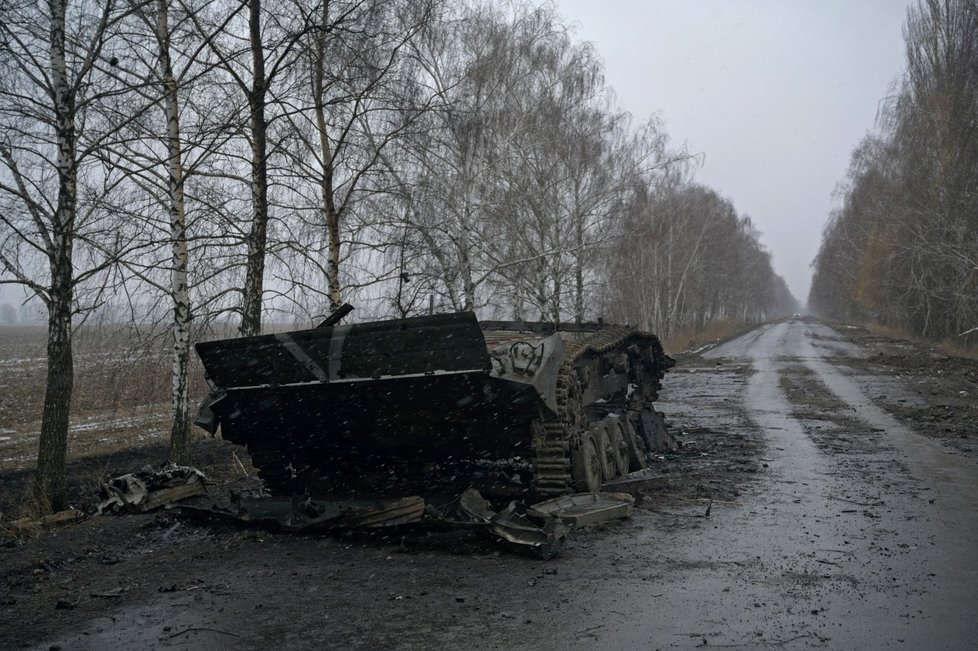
(336, 350)
(302, 356)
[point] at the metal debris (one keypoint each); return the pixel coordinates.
(647, 478)
(515, 523)
(300, 513)
(293, 514)
(383, 513)
(584, 509)
(542, 528)
(149, 489)
(304, 512)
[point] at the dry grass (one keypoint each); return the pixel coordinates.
(121, 395)
(29, 511)
(691, 338)
(120, 415)
(952, 349)
(20, 532)
(949, 347)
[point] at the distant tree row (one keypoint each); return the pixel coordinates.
(685, 258)
(902, 249)
(230, 159)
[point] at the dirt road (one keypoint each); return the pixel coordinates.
(847, 530)
(862, 534)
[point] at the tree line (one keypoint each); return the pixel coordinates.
(901, 250)
(202, 161)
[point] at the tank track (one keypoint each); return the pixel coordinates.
(555, 437)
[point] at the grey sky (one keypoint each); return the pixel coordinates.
(775, 93)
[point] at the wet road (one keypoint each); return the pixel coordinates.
(856, 534)
(870, 544)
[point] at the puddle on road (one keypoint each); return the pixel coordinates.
(841, 532)
(954, 479)
(794, 454)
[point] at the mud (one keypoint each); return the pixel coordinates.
(930, 391)
(803, 511)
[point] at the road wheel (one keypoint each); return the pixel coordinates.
(619, 447)
(587, 465)
(604, 436)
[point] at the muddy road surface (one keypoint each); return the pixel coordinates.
(800, 514)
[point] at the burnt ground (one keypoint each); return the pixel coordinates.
(74, 585)
(790, 517)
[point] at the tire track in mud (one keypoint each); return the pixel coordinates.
(806, 562)
(916, 561)
(949, 484)
(956, 480)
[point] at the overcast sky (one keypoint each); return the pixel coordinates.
(775, 93)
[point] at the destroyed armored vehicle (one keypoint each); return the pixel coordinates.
(441, 401)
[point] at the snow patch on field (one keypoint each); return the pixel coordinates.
(93, 433)
(114, 423)
(705, 347)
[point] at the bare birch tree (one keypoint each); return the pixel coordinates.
(255, 48)
(179, 288)
(358, 93)
(56, 106)
(485, 64)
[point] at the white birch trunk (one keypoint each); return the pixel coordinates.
(180, 428)
(327, 192)
(50, 481)
(258, 237)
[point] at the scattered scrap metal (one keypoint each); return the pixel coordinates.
(149, 489)
(542, 527)
(517, 524)
(586, 509)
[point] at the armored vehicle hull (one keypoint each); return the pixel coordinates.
(426, 403)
